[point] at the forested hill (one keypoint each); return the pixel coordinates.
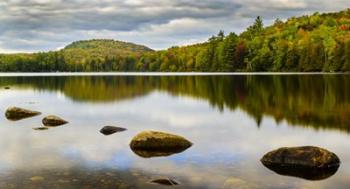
(318, 42)
(96, 44)
(87, 55)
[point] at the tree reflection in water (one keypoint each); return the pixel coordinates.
(316, 101)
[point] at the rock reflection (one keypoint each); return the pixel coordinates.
(313, 174)
(158, 153)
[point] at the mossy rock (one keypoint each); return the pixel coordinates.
(306, 156)
(53, 121)
(155, 143)
(311, 163)
(15, 113)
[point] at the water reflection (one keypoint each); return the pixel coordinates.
(305, 173)
(233, 120)
(318, 101)
(158, 153)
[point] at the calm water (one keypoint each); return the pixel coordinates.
(232, 121)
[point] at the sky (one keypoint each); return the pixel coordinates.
(42, 25)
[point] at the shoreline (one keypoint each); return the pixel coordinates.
(43, 74)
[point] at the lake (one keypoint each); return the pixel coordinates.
(232, 121)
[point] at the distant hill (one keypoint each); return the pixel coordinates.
(109, 44)
(102, 55)
(85, 55)
(309, 43)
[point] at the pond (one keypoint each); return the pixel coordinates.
(232, 121)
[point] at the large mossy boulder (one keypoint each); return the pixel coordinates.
(306, 156)
(53, 121)
(154, 144)
(311, 163)
(15, 113)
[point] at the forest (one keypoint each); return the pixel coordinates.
(310, 43)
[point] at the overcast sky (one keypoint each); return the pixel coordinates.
(41, 25)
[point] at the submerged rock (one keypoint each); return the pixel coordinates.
(7, 88)
(154, 144)
(165, 181)
(53, 121)
(15, 113)
(108, 130)
(40, 128)
(307, 162)
(236, 183)
(37, 179)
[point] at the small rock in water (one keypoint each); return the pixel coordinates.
(40, 128)
(311, 163)
(154, 144)
(63, 181)
(53, 121)
(165, 181)
(7, 88)
(15, 113)
(108, 130)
